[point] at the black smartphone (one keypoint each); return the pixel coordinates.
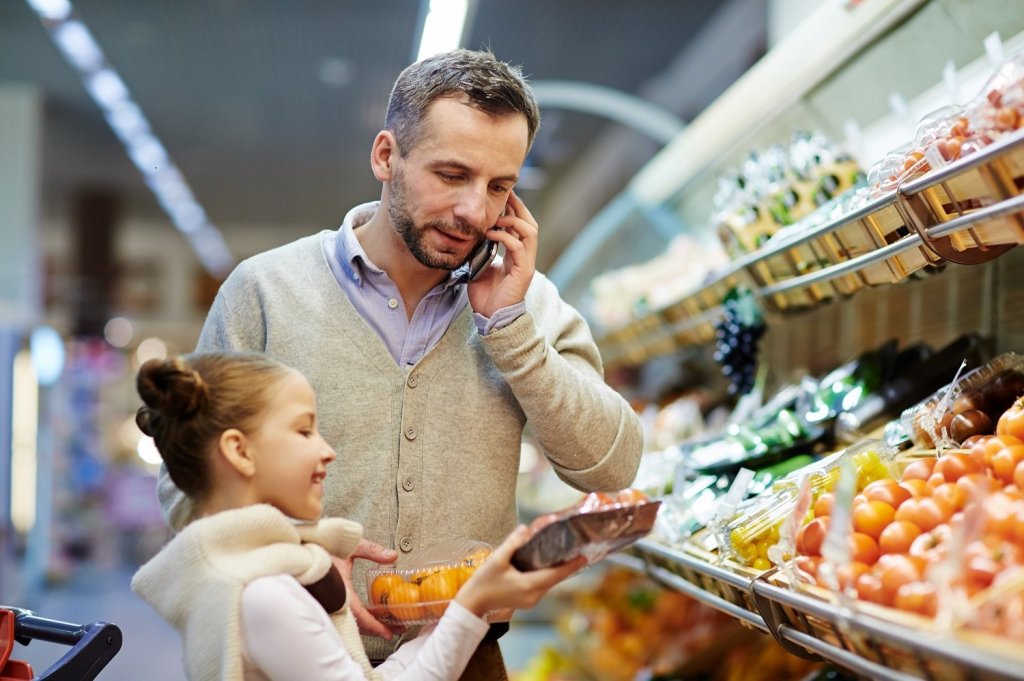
(479, 261)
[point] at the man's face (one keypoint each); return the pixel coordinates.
(450, 189)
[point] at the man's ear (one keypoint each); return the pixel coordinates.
(233, 448)
(383, 154)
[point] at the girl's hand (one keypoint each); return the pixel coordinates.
(497, 584)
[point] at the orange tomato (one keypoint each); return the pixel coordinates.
(823, 504)
(871, 517)
(1012, 421)
(956, 465)
(919, 470)
(887, 491)
(631, 497)
(404, 602)
(382, 585)
(976, 486)
(932, 545)
(869, 588)
(932, 512)
(919, 597)
(438, 590)
(952, 493)
(1005, 461)
(895, 570)
(1018, 475)
(898, 536)
(849, 573)
(916, 488)
(464, 572)
(863, 548)
(808, 565)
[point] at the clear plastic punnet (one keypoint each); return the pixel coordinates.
(969, 406)
(419, 590)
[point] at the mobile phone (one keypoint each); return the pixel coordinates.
(480, 259)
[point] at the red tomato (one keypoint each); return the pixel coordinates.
(863, 548)
(919, 597)
(954, 466)
(919, 470)
(1005, 461)
(811, 536)
(871, 517)
(1012, 421)
(823, 504)
(898, 536)
(887, 491)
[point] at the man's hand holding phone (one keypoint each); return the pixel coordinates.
(501, 286)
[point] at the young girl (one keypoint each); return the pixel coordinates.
(253, 591)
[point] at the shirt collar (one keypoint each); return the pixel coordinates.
(352, 256)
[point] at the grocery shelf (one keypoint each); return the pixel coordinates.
(808, 626)
(984, 171)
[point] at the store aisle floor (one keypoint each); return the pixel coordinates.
(151, 648)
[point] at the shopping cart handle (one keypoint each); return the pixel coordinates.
(93, 646)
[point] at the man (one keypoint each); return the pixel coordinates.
(425, 382)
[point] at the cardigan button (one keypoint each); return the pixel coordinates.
(405, 544)
(410, 433)
(413, 380)
(408, 484)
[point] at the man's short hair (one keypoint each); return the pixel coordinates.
(490, 85)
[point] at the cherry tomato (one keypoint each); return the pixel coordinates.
(869, 588)
(811, 536)
(898, 536)
(919, 470)
(887, 491)
(863, 548)
(871, 517)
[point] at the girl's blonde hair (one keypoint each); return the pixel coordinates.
(190, 400)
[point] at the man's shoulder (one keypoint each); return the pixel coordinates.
(285, 254)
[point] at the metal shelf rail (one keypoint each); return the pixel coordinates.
(808, 626)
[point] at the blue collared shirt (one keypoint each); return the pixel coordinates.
(378, 302)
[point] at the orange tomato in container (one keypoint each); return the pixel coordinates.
(919, 597)
(1005, 461)
(1012, 421)
(919, 470)
(887, 491)
(811, 536)
(956, 465)
(382, 586)
(438, 589)
(404, 602)
(863, 548)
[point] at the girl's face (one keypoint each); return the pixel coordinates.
(290, 455)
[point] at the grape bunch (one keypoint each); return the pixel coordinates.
(738, 334)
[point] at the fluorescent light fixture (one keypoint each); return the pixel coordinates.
(128, 122)
(24, 432)
(53, 10)
(75, 41)
(442, 27)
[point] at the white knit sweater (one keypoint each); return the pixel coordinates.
(196, 581)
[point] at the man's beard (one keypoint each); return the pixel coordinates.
(414, 237)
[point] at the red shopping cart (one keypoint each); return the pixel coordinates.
(92, 646)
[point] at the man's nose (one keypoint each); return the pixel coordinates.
(471, 207)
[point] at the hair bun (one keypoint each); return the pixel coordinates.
(170, 388)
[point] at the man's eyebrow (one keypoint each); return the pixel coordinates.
(459, 165)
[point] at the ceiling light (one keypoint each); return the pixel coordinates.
(127, 121)
(442, 27)
(118, 332)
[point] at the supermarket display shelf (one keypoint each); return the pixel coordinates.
(808, 626)
(931, 214)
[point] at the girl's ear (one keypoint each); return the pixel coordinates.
(383, 154)
(233, 447)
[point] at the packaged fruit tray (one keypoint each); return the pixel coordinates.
(599, 524)
(419, 591)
